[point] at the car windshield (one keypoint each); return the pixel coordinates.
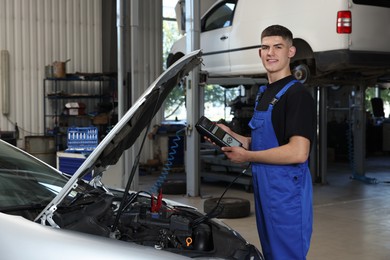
(25, 181)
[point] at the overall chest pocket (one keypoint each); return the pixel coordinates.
(257, 126)
(256, 122)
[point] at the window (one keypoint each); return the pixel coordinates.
(174, 107)
(377, 92)
(218, 100)
(221, 17)
(170, 28)
(382, 3)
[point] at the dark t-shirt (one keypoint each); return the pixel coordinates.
(295, 112)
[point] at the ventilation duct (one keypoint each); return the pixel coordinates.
(4, 81)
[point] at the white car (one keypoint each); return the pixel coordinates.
(336, 39)
(44, 214)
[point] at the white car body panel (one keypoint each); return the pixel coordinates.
(312, 22)
(64, 244)
(217, 42)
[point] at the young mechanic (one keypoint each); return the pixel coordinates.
(283, 127)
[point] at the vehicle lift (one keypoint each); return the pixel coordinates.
(221, 169)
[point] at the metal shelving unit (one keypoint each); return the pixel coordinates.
(89, 91)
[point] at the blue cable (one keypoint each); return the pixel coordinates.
(167, 167)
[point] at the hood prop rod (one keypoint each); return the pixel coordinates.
(133, 170)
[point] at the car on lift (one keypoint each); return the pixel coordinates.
(45, 214)
(336, 40)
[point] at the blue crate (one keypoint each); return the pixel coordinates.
(82, 139)
(70, 165)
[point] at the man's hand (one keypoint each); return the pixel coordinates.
(235, 154)
(243, 139)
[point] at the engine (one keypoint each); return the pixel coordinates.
(164, 228)
(144, 220)
(149, 221)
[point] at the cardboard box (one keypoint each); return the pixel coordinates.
(75, 108)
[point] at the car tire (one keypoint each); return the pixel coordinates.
(174, 187)
(172, 58)
(302, 73)
(232, 207)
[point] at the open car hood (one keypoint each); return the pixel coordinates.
(127, 130)
(129, 127)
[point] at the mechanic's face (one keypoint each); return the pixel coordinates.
(275, 53)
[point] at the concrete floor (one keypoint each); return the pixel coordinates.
(351, 218)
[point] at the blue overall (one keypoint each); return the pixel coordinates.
(283, 194)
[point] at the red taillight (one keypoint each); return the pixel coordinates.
(344, 22)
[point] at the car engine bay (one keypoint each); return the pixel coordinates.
(147, 220)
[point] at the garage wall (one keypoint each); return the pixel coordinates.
(36, 33)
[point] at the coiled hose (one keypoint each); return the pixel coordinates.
(168, 165)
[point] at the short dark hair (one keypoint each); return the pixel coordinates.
(278, 30)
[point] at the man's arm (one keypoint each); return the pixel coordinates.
(295, 151)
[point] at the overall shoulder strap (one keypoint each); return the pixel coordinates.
(282, 91)
(259, 94)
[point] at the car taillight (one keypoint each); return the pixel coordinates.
(344, 22)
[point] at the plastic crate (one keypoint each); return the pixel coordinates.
(82, 139)
(70, 165)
